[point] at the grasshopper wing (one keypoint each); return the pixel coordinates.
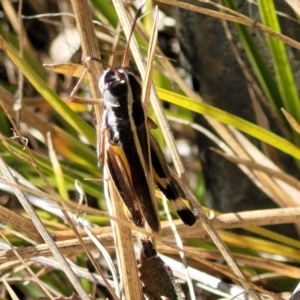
(119, 172)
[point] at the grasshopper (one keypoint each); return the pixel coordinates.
(130, 153)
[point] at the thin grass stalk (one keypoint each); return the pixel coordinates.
(87, 34)
(124, 242)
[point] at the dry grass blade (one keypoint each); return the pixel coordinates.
(151, 55)
(252, 165)
(20, 223)
(282, 194)
(10, 290)
(255, 262)
(107, 258)
(95, 264)
(179, 243)
(90, 49)
(292, 121)
(295, 5)
(68, 69)
(27, 267)
(124, 248)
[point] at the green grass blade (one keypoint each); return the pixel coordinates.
(227, 118)
(106, 8)
(60, 107)
(71, 171)
(283, 72)
(258, 63)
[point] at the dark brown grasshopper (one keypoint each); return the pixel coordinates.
(130, 153)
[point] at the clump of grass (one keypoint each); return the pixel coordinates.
(51, 151)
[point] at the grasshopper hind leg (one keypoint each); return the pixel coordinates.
(124, 187)
(167, 182)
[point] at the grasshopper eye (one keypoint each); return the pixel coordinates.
(118, 88)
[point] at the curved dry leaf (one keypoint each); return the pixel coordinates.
(74, 70)
(292, 121)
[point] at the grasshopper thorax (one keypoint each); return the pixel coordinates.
(113, 81)
(118, 84)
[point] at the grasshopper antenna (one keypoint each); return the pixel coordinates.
(126, 58)
(98, 60)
